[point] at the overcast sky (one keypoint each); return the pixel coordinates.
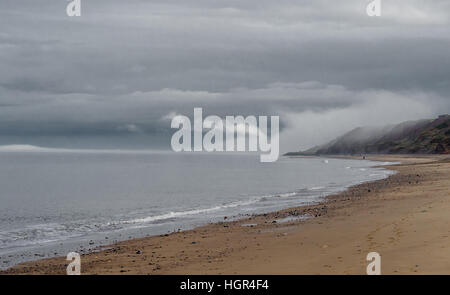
(116, 75)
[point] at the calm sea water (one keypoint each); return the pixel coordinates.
(55, 202)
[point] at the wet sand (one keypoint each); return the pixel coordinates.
(405, 218)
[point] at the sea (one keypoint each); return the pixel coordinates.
(53, 202)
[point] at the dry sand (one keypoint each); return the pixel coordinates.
(405, 218)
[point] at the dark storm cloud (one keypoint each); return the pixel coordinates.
(124, 66)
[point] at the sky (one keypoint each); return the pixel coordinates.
(115, 76)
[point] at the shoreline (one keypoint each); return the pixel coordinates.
(227, 247)
(314, 194)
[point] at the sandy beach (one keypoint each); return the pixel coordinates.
(405, 218)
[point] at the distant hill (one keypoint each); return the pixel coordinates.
(412, 137)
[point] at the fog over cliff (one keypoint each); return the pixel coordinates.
(114, 76)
